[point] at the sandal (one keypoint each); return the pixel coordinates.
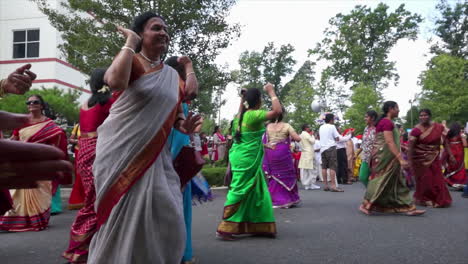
(336, 190)
(415, 212)
(326, 188)
(225, 237)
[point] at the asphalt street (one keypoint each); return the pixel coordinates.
(326, 228)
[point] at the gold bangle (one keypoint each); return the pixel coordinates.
(190, 73)
(128, 48)
(274, 98)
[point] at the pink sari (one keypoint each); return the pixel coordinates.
(31, 207)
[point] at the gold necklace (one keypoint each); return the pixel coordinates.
(152, 63)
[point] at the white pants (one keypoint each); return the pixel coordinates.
(308, 177)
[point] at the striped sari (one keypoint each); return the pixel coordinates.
(31, 207)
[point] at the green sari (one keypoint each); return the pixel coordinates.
(248, 208)
(387, 191)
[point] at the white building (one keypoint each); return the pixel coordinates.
(26, 36)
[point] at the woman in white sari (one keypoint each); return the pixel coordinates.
(139, 203)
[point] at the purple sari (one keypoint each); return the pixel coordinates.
(279, 169)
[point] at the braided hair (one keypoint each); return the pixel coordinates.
(96, 83)
(252, 97)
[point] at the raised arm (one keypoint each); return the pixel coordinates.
(118, 74)
(191, 82)
(275, 103)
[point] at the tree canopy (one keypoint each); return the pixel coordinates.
(198, 28)
(357, 44)
(63, 103)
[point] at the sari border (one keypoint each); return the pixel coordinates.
(238, 228)
(137, 167)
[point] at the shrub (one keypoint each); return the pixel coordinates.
(214, 175)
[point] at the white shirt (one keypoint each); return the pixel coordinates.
(318, 155)
(328, 133)
(342, 141)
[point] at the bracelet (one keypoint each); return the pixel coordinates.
(128, 48)
(2, 89)
(190, 73)
(274, 98)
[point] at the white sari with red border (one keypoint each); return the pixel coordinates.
(138, 197)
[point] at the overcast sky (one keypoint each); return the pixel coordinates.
(302, 22)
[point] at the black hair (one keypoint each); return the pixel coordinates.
(329, 117)
(305, 126)
(96, 82)
(46, 110)
(372, 114)
(454, 131)
(427, 111)
(215, 129)
(385, 109)
(252, 97)
(139, 23)
(174, 63)
(405, 136)
(280, 117)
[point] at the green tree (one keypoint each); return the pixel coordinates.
(445, 88)
(357, 44)
(300, 96)
(63, 104)
(452, 29)
(364, 98)
(271, 65)
(198, 28)
(412, 117)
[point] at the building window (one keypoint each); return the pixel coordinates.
(26, 43)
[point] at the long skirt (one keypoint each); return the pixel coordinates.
(430, 185)
(31, 209)
(77, 196)
(281, 173)
(387, 190)
(248, 208)
(364, 173)
(84, 226)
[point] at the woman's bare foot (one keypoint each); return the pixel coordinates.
(415, 212)
(364, 210)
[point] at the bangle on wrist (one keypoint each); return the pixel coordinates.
(274, 98)
(190, 73)
(128, 48)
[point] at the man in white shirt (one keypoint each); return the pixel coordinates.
(306, 162)
(329, 137)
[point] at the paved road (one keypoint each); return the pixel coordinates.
(327, 228)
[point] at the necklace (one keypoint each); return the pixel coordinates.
(152, 63)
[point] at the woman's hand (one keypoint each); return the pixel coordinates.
(133, 39)
(189, 125)
(269, 89)
(185, 61)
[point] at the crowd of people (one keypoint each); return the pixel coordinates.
(136, 126)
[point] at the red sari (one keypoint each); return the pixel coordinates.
(31, 207)
(430, 185)
(455, 172)
(84, 226)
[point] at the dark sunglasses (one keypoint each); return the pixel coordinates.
(33, 102)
